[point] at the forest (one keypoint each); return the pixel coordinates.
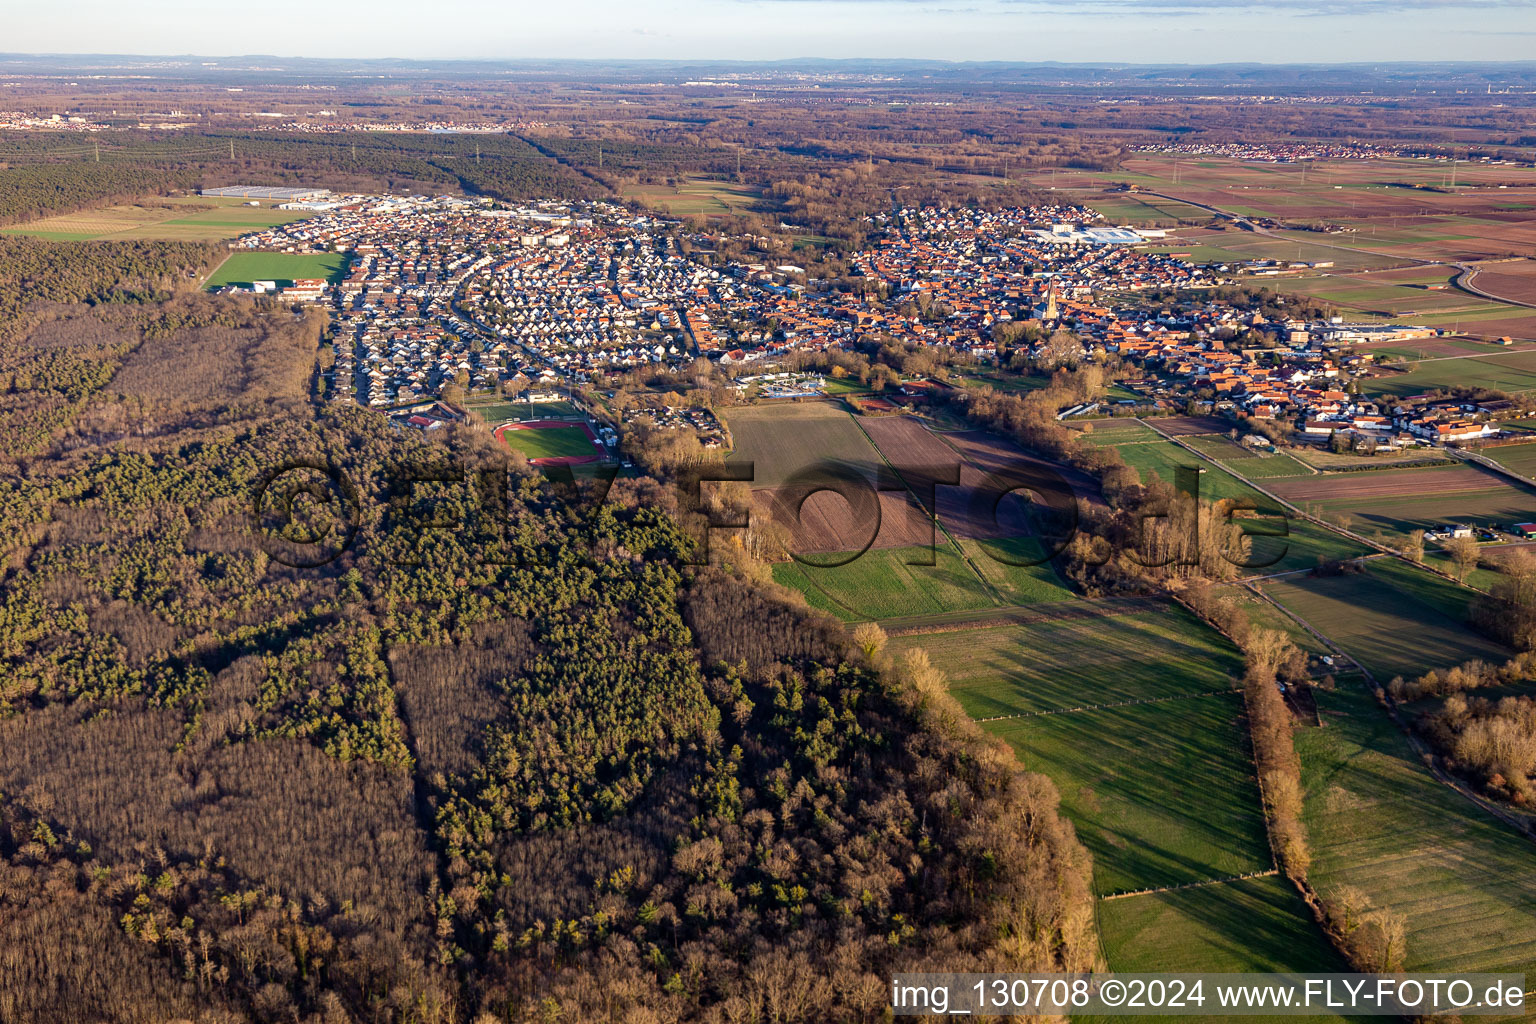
(43, 180)
(501, 754)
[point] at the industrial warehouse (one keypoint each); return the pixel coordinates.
(273, 193)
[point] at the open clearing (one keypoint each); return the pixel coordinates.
(178, 219)
(246, 267)
(697, 197)
(1380, 822)
(1396, 621)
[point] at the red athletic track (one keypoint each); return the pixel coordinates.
(554, 460)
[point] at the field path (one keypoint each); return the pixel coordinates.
(202, 282)
(1188, 885)
(1426, 756)
(1111, 704)
(1368, 542)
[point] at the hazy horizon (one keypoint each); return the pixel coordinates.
(1195, 32)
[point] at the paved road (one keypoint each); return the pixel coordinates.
(1466, 272)
(1464, 282)
(1300, 514)
(1477, 458)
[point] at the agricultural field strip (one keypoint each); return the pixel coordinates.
(1411, 738)
(1111, 704)
(986, 584)
(1455, 872)
(1161, 858)
(1382, 629)
(1133, 893)
(1518, 461)
(1374, 545)
(1388, 482)
(1162, 797)
(953, 622)
(1463, 268)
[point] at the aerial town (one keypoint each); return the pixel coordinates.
(675, 539)
(451, 290)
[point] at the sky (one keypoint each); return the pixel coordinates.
(1139, 31)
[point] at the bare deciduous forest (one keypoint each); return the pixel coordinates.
(534, 765)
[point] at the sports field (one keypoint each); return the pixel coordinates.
(177, 218)
(1379, 822)
(246, 267)
(1394, 619)
(545, 442)
(503, 412)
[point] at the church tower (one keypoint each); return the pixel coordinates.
(1050, 312)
